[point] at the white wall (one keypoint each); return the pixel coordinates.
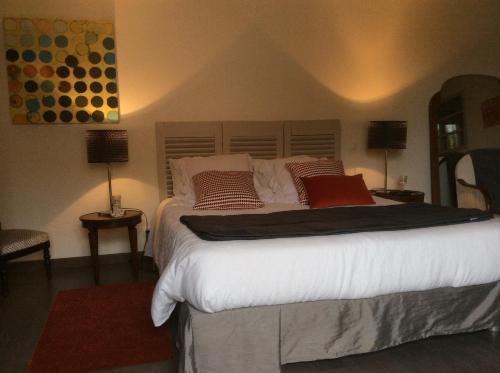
(242, 60)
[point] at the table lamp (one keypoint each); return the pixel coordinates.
(106, 146)
(387, 134)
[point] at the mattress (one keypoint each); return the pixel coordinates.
(216, 276)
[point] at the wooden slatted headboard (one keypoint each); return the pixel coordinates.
(267, 140)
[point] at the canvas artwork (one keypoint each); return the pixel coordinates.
(61, 71)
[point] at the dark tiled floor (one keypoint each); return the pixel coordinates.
(24, 311)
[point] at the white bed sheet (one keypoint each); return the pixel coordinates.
(215, 276)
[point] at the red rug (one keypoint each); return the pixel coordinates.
(100, 328)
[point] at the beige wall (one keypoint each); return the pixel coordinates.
(241, 60)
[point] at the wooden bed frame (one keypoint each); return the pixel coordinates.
(261, 339)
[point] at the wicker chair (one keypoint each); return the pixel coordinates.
(15, 243)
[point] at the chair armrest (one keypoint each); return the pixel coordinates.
(484, 192)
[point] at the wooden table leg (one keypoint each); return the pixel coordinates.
(94, 252)
(132, 236)
(4, 284)
(46, 260)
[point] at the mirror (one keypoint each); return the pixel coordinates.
(463, 115)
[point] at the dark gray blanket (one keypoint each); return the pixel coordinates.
(315, 222)
(487, 170)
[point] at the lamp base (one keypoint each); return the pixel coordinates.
(111, 214)
(104, 213)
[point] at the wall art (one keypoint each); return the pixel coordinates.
(61, 71)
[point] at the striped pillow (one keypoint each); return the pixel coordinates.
(309, 169)
(225, 190)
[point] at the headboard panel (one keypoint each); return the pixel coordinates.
(319, 138)
(260, 139)
(183, 139)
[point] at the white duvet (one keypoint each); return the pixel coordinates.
(215, 276)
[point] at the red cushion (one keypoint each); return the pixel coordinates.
(332, 190)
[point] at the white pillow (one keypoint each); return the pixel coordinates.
(184, 169)
(263, 174)
(273, 181)
(178, 178)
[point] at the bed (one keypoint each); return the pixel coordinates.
(251, 306)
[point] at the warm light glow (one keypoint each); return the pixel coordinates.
(361, 51)
(374, 178)
(367, 51)
(97, 199)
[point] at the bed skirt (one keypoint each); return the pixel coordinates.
(261, 339)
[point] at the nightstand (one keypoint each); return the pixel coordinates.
(95, 221)
(399, 195)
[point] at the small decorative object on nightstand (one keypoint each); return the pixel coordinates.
(399, 195)
(95, 221)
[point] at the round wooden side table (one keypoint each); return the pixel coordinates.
(95, 221)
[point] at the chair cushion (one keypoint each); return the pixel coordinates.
(487, 170)
(12, 240)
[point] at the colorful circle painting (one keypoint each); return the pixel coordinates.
(30, 71)
(111, 87)
(61, 71)
(44, 41)
(64, 101)
(81, 101)
(79, 72)
(82, 116)
(15, 86)
(95, 72)
(97, 101)
(108, 43)
(15, 101)
(66, 116)
(61, 41)
(47, 86)
(33, 117)
(32, 104)
(12, 55)
(27, 40)
(60, 25)
(71, 61)
(26, 24)
(48, 101)
(64, 86)
(96, 87)
(31, 86)
(46, 71)
(13, 71)
(45, 56)
(94, 57)
(49, 116)
(109, 58)
(29, 55)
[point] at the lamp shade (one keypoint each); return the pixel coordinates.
(106, 146)
(387, 135)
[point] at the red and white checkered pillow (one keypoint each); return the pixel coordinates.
(225, 190)
(309, 169)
